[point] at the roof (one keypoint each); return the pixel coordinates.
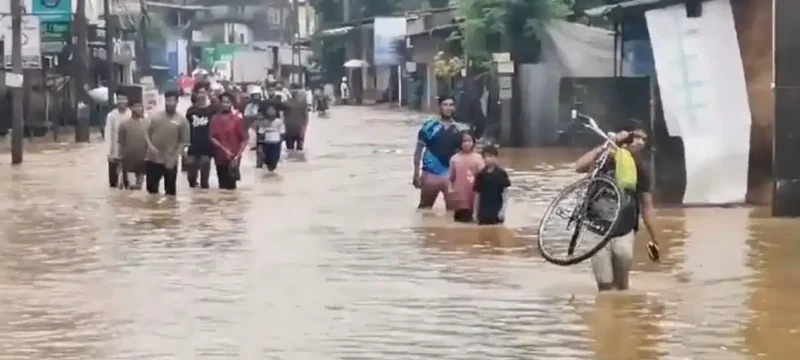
(367, 23)
(627, 8)
(445, 30)
(175, 6)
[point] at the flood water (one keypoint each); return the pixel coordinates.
(332, 261)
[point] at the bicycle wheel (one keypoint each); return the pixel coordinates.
(578, 223)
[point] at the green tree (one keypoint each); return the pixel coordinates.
(486, 22)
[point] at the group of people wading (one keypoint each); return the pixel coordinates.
(146, 150)
(473, 185)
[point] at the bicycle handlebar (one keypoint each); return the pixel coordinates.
(589, 122)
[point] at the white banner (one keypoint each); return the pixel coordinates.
(704, 96)
(31, 41)
(390, 37)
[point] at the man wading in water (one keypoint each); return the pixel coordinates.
(612, 264)
(169, 134)
(198, 158)
(133, 147)
(437, 141)
(296, 120)
(229, 136)
(113, 121)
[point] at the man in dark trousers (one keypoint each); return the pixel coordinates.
(198, 158)
(168, 135)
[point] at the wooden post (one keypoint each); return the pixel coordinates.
(80, 66)
(112, 74)
(786, 196)
(17, 122)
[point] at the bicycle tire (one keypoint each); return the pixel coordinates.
(597, 183)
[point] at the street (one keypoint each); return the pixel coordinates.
(331, 260)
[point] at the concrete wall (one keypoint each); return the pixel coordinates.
(753, 20)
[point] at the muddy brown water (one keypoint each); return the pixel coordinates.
(331, 261)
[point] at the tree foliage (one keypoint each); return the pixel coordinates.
(486, 22)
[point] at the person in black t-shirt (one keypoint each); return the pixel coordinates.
(491, 190)
(612, 264)
(198, 158)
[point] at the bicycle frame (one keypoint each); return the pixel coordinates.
(579, 213)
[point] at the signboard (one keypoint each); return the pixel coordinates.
(501, 57)
(150, 96)
(52, 10)
(55, 30)
(390, 40)
(505, 87)
(505, 67)
(225, 52)
(31, 40)
(55, 35)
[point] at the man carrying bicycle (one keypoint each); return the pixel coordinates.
(612, 264)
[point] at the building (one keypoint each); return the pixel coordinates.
(426, 32)
(212, 34)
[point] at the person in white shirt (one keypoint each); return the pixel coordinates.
(344, 91)
(270, 130)
(111, 136)
(309, 98)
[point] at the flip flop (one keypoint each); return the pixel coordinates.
(653, 251)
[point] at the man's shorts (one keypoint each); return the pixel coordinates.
(430, 187)
(613, 262)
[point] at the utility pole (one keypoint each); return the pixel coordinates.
(144, 62)
(358, 80)
(505, 73)
(80, 66)
(786, 86)
(296, 72)
(17, 122)
(112, 78)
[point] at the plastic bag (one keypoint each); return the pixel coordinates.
(625, 169)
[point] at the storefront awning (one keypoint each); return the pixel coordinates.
(629, 7)
(335, 31)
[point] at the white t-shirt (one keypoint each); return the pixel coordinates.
(345, 90)
(270, 131)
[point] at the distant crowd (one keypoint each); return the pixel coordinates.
(219, 126)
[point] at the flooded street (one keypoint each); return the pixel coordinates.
(331, 260)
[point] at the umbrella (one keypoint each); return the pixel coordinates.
(356, 63)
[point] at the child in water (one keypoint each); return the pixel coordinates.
(270, 132)
(491, 190)
(463, 168)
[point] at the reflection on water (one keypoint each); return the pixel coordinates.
(330, 260)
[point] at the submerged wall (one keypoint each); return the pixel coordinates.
(753, 19)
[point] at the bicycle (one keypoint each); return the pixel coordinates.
(597, 211)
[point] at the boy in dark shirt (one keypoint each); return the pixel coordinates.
(491, 190)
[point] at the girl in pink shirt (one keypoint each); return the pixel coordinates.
(463, 168)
